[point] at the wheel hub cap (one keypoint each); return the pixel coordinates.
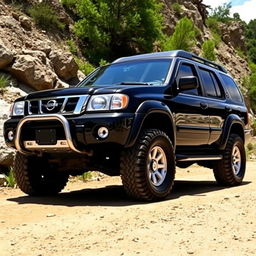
(236, 160)
(157, 166)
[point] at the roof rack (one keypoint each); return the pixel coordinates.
(191, 56)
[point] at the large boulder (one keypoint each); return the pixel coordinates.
(233, 35)
(6, 154)
(33, 72)
(6, 56)
(64, 64)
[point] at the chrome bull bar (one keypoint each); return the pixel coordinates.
(68, 143)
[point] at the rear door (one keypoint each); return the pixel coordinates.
(215, 96)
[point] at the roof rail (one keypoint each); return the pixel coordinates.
(176, 53)
(192, 56)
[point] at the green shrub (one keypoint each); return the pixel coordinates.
(4, 81)
(213, 24)
(45, 17)
(183, 37)
(208, 50)
(177, 8)
(103, 62)
(86, 176)
(72, 46)
(250, 146)
(85, 67)
(10, 179)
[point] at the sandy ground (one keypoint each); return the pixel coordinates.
(96, 218)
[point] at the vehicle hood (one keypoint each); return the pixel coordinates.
(91, 90)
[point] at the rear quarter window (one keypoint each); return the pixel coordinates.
(232, 88)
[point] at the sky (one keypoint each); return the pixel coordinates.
(246, 8)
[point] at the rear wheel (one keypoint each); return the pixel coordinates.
(231, 169)
(148, 168)
(36, 177)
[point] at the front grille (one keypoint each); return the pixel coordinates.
(67, 105)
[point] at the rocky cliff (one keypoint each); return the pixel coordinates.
(36, 60)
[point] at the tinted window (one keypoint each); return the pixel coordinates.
(187, 70)
(232, 88)
(210, 83)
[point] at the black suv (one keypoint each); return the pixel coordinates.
(138, 117)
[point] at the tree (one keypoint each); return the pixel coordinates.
(208, 50)
(222, 12)
(251, 40)
(183, 37)
(111, 29)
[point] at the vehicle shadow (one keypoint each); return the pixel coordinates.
(115, 195)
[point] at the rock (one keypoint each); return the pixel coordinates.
(44, 46)
(6, 56)
(61, 84)
(39, 54)
(6, 154)
(233, 34)
(64, 64)
(32, 71)
(2, 180)
(25, 22)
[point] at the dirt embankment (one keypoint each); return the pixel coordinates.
(96, 218)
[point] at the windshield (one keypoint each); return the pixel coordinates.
(146, 72)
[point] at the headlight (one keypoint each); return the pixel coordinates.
(107, 102)
(18, 108)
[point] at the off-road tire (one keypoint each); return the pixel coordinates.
(223, 171)
(36, 178)
(135, 166)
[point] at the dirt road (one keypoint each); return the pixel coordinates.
(96, 218)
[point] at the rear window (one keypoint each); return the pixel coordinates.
(232, 88)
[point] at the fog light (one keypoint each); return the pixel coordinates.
(10, 135)
(103, 132)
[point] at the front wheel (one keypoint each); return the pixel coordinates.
(34, 176)
(148, 168)
(231, 169)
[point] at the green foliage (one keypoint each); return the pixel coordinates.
(222, 12)
(72, 46)
(236, 16)
(177, 8)
(241, 53)
(213, 24)
(252, 90)
(110, 29)
(85, 67)
(103, 62)
(45, 17)
(208, 50)
(86, 176)
(4, 81)
(251, 40)
(183, 37)
(10, 179)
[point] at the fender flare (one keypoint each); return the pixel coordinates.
(230, 121)
(144, 110)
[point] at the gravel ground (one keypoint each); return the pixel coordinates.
(96, 218)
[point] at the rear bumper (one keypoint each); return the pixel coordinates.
(76, 134)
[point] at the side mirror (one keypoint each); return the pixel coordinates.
(188, 83)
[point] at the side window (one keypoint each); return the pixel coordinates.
(232, 88)
(187, 70)
(210, 83)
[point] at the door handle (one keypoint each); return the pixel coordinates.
(203, 105)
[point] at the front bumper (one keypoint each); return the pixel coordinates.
(77, 134)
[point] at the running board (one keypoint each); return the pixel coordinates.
(184, 158)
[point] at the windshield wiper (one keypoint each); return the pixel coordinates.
(133, 83)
